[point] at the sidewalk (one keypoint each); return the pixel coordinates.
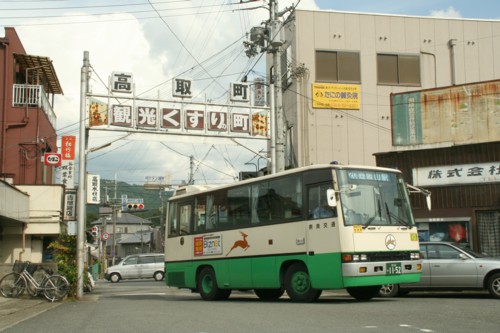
(15, 310)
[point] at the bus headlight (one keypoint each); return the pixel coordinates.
(348, 257)
(415, 255)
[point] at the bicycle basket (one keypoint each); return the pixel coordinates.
(18, 266)
(31, 268)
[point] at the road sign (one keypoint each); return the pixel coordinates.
(52, 159)
(105, 236)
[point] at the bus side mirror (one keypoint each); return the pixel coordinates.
(330, 195)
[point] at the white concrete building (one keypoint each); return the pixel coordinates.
(341, 69)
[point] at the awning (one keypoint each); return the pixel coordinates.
(41, 70)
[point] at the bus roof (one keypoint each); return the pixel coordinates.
(189, 189)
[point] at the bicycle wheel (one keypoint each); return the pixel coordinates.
(12, 285)
(55, 288)
(38, 277)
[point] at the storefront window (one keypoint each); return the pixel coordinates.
(453, 231)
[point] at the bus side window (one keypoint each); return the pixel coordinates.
(318, 202)
(211, 213)
(200, 214)
(172, 218)
(185, 218)
(239, 206)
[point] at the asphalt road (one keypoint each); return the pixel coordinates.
(149, 306)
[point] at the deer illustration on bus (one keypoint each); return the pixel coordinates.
(243, 243)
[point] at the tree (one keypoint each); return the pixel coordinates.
(65, 255)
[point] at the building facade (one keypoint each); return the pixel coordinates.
(28, 85)
(31, 209)
(339, 70)
(447, 140)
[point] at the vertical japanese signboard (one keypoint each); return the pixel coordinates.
(68, 147)
(93, 189)
(67, 171)
(69, 206)
(98, 113)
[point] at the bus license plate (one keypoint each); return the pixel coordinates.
(393, 268)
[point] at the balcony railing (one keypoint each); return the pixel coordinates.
(33, 96)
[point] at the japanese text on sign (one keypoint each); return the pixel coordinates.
(67, 173)
(181, 88)
(68, 147)
(336, 96)
(457, 174)
(93, 189)
(207, 245)
(121, 82)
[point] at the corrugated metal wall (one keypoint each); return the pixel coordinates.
(449, 197)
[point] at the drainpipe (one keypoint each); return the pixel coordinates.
(4, 115)
(451, 44)
(24, 243)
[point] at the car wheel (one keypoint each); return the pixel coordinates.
(494, 285)
(115, 277)
(158, 276)
(389, 290)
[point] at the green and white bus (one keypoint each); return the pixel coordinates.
(301, 231)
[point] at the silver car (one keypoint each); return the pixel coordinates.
(447, 266)
(137, 266)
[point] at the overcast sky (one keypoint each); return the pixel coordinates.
(202, 39)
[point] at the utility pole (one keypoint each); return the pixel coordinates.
(82, 191)
(115, 206)
(273, 34)
(279, 125)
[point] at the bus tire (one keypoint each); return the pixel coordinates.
(364, 293)
(298, 284)
(269, 294)
(207, 286)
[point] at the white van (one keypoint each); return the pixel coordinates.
(138, 266)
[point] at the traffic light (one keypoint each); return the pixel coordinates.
(135, 206)
(89, 236)
(95, 230)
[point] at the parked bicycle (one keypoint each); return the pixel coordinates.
(27, 276)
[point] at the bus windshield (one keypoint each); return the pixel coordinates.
(372, 197)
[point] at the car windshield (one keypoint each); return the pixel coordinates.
(370, 197)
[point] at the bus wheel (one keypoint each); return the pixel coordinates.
(298, 284)
(364, 293)
(269, 294)
(207, 286)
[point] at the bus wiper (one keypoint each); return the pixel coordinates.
(388, 212)
(400, 220)
(371, 219)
